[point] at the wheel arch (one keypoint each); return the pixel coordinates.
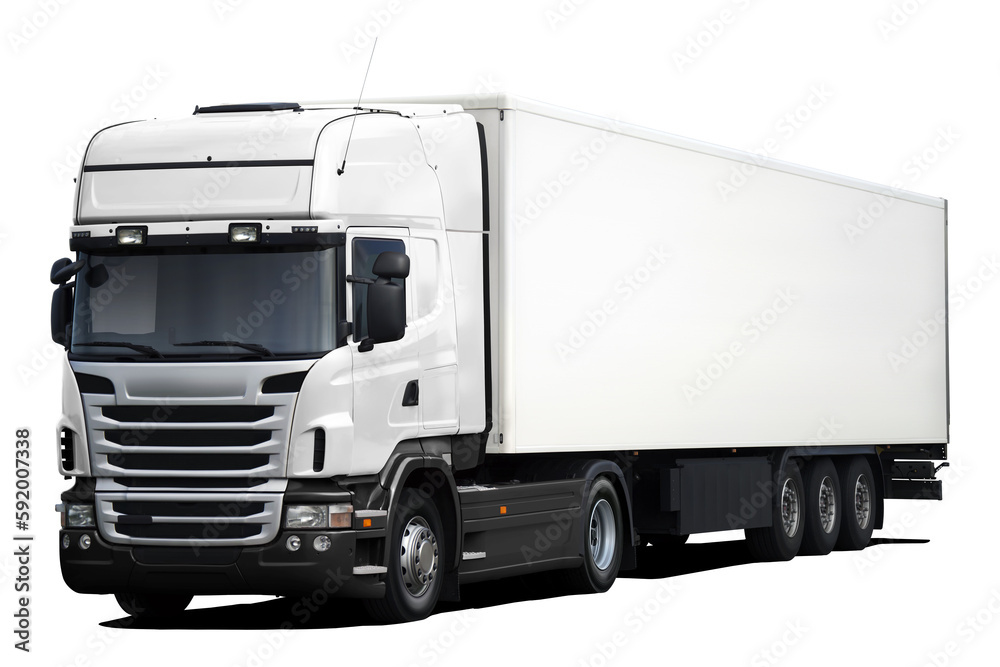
(431, 477)
(592, 469)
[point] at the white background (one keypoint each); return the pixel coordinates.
(896, 76)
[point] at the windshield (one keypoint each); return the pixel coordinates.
(208, 302)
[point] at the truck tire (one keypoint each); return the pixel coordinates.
(824, 507)
(603, 538)
(143, 606)
(860, 500)
(782, 539)
(417, 559)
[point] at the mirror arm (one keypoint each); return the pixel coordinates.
(63, 270)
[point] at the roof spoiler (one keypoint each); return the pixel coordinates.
(244, 108)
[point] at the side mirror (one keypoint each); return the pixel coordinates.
(386, 312)
(387, 300)
(62, 315)
(391, 264)
(63, 269)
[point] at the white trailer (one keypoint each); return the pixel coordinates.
(398, 343)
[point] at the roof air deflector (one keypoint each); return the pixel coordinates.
(244, 108)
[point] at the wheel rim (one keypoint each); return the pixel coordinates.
(418, 556)
(603, 534)
(862, 501)
(827, 505)
(790, 508)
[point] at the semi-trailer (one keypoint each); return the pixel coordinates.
(391, 349)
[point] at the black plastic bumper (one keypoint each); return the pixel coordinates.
(270, 569)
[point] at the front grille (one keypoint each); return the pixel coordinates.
(173, 531)
(188, 518)
(137, 509)
(166, 440)
(186, 462)
(191, 414)
(188, 455)
(190, 482)
(186, 438)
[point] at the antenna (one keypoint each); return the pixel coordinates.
(357, 107)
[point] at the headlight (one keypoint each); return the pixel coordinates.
(79, 516)
(319, 516)
(307, 516)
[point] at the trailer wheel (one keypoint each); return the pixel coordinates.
(603, 537)
(824, 508)
(860, 500)
(151, 605)
(417, 559)
(782, 539)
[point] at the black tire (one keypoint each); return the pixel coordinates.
(412, 588)
(603, 558)
(824, 507)
(665, 541)
(774, 542)
(860, 502)
(152, 605)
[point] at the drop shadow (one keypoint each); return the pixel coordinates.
(888, 540)
(294, 613)
(673, 561)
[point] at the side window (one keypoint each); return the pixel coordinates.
(365, 252)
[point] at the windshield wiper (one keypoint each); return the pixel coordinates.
(253, 347)
(145, 349)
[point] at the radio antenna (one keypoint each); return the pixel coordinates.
(357, 107)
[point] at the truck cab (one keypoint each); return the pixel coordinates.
(264, 299)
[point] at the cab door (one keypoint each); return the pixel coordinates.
(386, 398)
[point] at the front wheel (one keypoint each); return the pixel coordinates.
(152, 605)
(603, 540)
(417, 560)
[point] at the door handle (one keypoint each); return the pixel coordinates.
(411, 395)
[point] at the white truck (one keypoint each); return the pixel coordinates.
(383, 351)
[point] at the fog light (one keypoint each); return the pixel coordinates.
(65, 541)
(322, 543)
(85, 541)
(244, 233)
(131, 235)
(293, 543)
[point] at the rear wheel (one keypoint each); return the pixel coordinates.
(604, 536)
(860, 500)
(152, 605)
(823, 507)
(782, 539)
(417, 560)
